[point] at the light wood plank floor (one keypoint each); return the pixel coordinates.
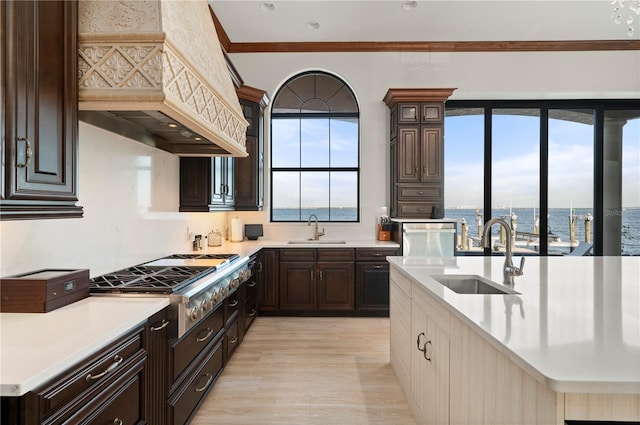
(308, 371)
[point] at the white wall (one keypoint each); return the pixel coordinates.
(130, 191)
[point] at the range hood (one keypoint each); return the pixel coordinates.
(153, 70)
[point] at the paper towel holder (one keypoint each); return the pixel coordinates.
(253, 231)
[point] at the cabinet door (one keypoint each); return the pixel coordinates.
(297, 285)
(39, 109)
(437, 375)
(429, 367)
(218, 180)
(335, 286)
(246, 178)
(372, 287)
(408, 154)
(400, 335)
(419, 363)
(268, 280)
(431, 154)
(229, 182)
(195, 184)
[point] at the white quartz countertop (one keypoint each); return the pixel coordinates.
(247, 248)
(35, 347)
(574, 324)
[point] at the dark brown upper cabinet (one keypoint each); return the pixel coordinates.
(417, 151)
(225, 183)
(249, 171)
(38, 118)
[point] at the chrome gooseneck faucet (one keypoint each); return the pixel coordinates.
(316, 234)
(509, 270)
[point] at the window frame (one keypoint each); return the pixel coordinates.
(599, 106)
(301, 169)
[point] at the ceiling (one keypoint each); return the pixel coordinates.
(290, 21)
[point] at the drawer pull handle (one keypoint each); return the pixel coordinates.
(234, 340)
(377, 254)
(420, 192)
(161, 326)
(28, 153)
(116, 362)
(253, 312)
(377, 266)
(204, 338)
(233, 303)
(117, 421)
(252, 284)
(206, 385)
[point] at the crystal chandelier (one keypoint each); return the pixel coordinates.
(622, 14)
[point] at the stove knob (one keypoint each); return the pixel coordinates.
(235, 282)
(215, 297)
(194, 313)
(204, 305)
(224, 292)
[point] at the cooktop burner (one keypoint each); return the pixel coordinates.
(229, 257)
(154, 279)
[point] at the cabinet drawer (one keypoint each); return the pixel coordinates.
(336, 254)
(195, 340)
(402, 281)
(298, 254)
(419, 192)
(184, 401)
(415, 209)
(374, 254)
(231, 307)
(231, 340)
(122, 406)
(251, 286)
(94, 374)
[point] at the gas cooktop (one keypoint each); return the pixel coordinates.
(163, 276)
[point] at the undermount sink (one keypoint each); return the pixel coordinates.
(471, 284)
(311, 241)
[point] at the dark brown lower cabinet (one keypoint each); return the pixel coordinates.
(269, 280)
(183, 402)
(107, 387)
(195, 362)
(317, 279)
(372, 287)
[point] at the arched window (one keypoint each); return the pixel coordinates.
(315, 161)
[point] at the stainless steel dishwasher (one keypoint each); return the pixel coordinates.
(427, 238)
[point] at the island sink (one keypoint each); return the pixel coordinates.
(471, 284)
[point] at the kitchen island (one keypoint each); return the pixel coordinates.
(564, 346)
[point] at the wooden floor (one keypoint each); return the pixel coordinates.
(308, 371)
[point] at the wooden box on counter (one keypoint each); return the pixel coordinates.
(42, 291)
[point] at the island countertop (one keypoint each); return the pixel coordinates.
(574, 323)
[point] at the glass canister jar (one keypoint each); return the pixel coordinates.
(214, 238)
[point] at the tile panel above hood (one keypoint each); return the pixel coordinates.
(153, 70)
